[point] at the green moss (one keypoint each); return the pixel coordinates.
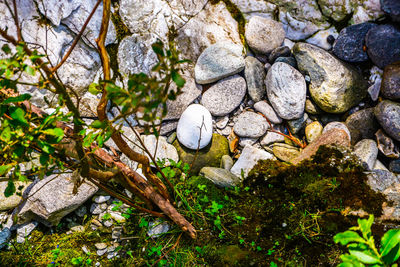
(121, 29)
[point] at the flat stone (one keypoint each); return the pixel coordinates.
(244, 141)
(219, 176)
(386, 145)
(263, 34)
(380, 166)
(250, 124)
(100, 246)
(101, 252)
(335, 137)
(224, 96)
(285, 152)
(97, 208)
(271, 138)
(388, 115)
(255, 73)
(313, 131)
(25, 230)
(390, 86)
(335, 86)
(336, 125)
(264, 108)
(78, 229)
(383, 45)
(222, 122)
(350, 42)
(101, 199)
(208, 156)
(157, 228)
(226, 162)
(367, 152)
(8, 203)
(194, 129)
(362, 124)
(392, 8)
(248, 159)
(218, 61)
(50, 199)
(286, 90)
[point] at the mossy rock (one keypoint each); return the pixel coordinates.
(209, 156)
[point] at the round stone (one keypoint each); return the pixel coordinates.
(194, 129)
(350, 42)
(383, 44)
(335, 86)
(218, 61)
(362, 124)
(286, 90)
(255, 73)
(392, 8)
(390, 86)
(224, 96)
(336, 125)
(268, 112)
(313, 131)
(388, 115)
(250, 124)
(263, 34)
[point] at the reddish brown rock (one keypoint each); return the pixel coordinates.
(334, 136)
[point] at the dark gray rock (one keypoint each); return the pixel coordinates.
(394, 166)
(383, 45)
(390, 86)
(388, 115)
(224, 96)
(255, 73)
(281, 51)
(349, 44)
(392, 8)
(362, 124)
(5, 235)
(288, 60)
(296, 125)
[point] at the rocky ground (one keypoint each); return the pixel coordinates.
(268, 80)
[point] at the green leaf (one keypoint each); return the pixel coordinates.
(177, 78)
(347, 237)
(365, 225)
(98, 124)
(390, 240)
(18, 114)
(31, 71)
(363, 255)
(17, 99)
(158, 48)
(46, 147)
(350, 261)
(5, 168)
(10, 189)
(6, 49)
(44, 158)
(6, 134)
(94, 89)
(57, 132)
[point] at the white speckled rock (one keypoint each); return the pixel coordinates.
(255, 73)
(367, 151)
(286, 90)
(224, 96)
(268, 112)
(218, 61)
(249, 157)
(263, 34)
(194, 118)
(250, 124)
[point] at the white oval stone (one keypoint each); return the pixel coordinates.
(194, 118)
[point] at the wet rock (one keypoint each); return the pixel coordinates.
(386, 145)
(335, 137)
(286, 90)
(350, 42)
(195, 127)
(295, 126)
(8, 203)
(362, 124)
(394, 166)
(313, 131)
(335, 86)
(337, 125)
(383, 45)
(208, 156)
(264, 108)
(390, 86)
(217, 62)
(213, 24)
(367, 152)
(224, 96)
(281, 51)
(263, 34)
(219, 176)
(323, 38)
(388, 115)
(285, 152)
(248, 159)
(157, 228)
(226, 162)
(392, 8)
(52, 198)
(250, 124)
(255, 73)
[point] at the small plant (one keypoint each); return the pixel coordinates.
(79, 261)
(362, 249)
